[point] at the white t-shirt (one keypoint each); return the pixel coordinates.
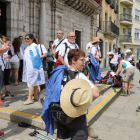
(82, 76)
(114, 60)
(44, 50)
(126, 64)
(6, 61)
(129, 57)
(94, 51)
(17, 57)
(61, 48)
(112, 74)
(56, 42)
(90, 49)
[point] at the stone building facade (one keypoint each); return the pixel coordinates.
(44, 17)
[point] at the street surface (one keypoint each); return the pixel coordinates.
(119, 122)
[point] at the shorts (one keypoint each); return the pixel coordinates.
(14, 65)
(76, 130)
(128, 75)
(113, 66)
(1, 78)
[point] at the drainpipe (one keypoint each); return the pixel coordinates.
(99, 26)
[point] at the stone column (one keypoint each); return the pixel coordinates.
(42, 22)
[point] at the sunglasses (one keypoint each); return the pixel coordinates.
(27, 38)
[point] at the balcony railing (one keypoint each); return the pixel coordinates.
(125, 38)
(112, 5)
(99, 1)
(116, 8)
(109, 26)
(125, 17)
(108, 1)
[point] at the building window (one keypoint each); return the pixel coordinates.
(137, 14)
(59, 22)
(129, 31)
(78, 38)
(136, 33)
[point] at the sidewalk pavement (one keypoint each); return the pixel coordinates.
(32, 111)
(121, 121)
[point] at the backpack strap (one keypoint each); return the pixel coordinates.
(41, 49)
(59, 43)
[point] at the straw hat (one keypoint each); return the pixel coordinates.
(128, 51)
(76, 97)
(95, 39)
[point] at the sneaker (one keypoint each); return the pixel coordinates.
(128, 92)
(138, 109)
(1, 134)
(91, 133)
(8, 93)
(123, 94)
(3, 104)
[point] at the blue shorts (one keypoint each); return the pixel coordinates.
(1, 78)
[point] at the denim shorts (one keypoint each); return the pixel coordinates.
(1, 78)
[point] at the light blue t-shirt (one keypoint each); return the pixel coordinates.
(23, 47)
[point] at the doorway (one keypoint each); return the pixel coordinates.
(78, 38)
(3, 19)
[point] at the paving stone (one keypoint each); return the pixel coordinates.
(127, 131)
(110, 120)
(103, 135)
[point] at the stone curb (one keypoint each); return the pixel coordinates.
(99, 112)
(38, 122)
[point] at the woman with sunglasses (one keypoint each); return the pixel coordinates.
(33, 72)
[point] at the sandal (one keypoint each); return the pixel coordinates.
(27, 102)
(16, 84)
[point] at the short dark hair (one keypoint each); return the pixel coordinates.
(31, 36)
(120, 58)
(20, 36)
(51, 42)
(76, 54)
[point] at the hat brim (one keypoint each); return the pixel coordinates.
(65, 97)
(96, 41)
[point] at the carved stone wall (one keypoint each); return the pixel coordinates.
(23, 17)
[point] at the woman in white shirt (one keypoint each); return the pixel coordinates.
(33, 72)
(17, 56)
(129, 57)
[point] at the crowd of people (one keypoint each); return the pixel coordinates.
(73, 92)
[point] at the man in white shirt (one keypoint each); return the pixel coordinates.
(60, 39)
(64, 48)
(22, 46)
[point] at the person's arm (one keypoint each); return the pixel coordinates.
(100, 54)
(120, 68)
(60, 58)
(7, 57)
(108, 55)
(44, 51)
(3, 49)
(95, 92)
(98, 59)
(134, 60)
(53, 50)
(43, 56)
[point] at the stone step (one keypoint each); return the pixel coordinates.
(31, 115)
